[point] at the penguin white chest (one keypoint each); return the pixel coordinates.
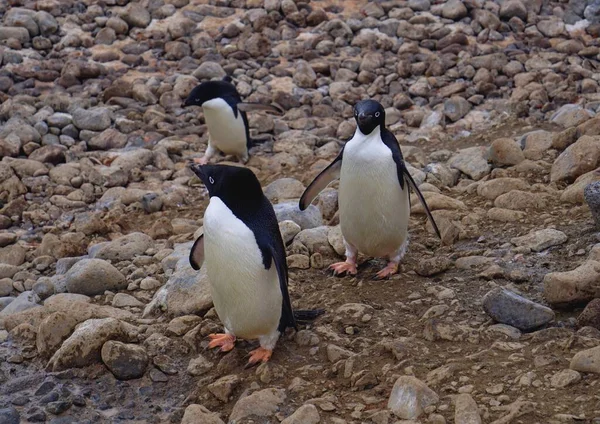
(227, 132)
(374, 209)
(246, 296)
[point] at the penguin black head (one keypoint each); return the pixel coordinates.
(209, 90)
(236, 186)
(369, 114)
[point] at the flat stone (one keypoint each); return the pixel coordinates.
(573, 287)
(263, 403)
(410, 397)
(565, 378)
(94, 276)
(587, 361)
(125, 361)
(196, 414)
(540, 240)
(509, 308)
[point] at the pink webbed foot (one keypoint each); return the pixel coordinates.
(259, 355)
(343, 267)
(390, 269)
(225, 341)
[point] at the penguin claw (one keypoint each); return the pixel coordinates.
(390, 269)
(259, 355)
(343, 267)
(225, 341)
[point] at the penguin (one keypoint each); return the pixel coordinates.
(225, 115)
(373, 197)
(245, 260)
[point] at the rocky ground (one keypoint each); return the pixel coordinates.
(496, 107)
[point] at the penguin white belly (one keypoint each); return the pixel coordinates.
(374, 210)
(227, 133)
(246, 296)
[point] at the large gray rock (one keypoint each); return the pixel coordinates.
(509, 308)
(309, 218)
(264, 403)
(94, 276)
(186, 292)
(9, 416)
(577, 159)
(125, 361)
(591, 193)
(573, 287)
(96, 119)
(195, 414)
(24, 301)
(12, 255)
(587, 361)
(472, 161)
(122, 249)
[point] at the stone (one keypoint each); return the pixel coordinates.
(456, 107)
(122, 249)
(565, 378)
(224, 387)
(306, 414)
(12, 255)
(186, 292)
(17, 33)
(94, 276)
(84, 346)
(573, 287)
(209, 70)
(288, 230)
(491, 189)
(52, 331)
(108, 139)
(284, 189)
(465, 410)
(591, 194)
(513, 8)
(199, 366)
(410, 397)
(509, 308)
(309, 218)
(587, 361)
(125, 361)
(520, 200)
(577, 159)
(432, 266)
(304, 75)
(10, 415)
(95, 119)
(551, 27)
(590, 316)
(540, 240)
(570, 115)
(195, 414)
(122, 300)
(263, 403)
(6, 287)
(25, 300)
(472, 161)
(454, 9)
(506, 151)
(136, 15)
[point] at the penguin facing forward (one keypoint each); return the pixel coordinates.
(245, 258)
(226, 119)
(374, 199)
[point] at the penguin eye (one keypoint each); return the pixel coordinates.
(377, 114)
(211, 180)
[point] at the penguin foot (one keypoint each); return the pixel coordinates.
(343, 267)
(259, 355)
(390, 269)
(201, 161)
(225, 341)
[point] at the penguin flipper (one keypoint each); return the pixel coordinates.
(414, 188)
(251, 107)
(197, 253)
(403, 175)
(321, 181)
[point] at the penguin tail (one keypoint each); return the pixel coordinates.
(306, 316)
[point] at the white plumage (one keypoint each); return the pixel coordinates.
(374, 210)
(226, 132)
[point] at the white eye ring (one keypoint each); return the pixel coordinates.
(377, 114)
(212, 181)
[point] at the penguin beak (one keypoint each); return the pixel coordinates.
(199, 171)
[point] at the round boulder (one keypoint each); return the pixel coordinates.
(94, 276)
(125, 361)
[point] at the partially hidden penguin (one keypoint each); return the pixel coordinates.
(373, 197)
(245, 260)
(226, 119)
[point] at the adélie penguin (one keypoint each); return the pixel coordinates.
(373, 198)
(245, 260)
(226, 119)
